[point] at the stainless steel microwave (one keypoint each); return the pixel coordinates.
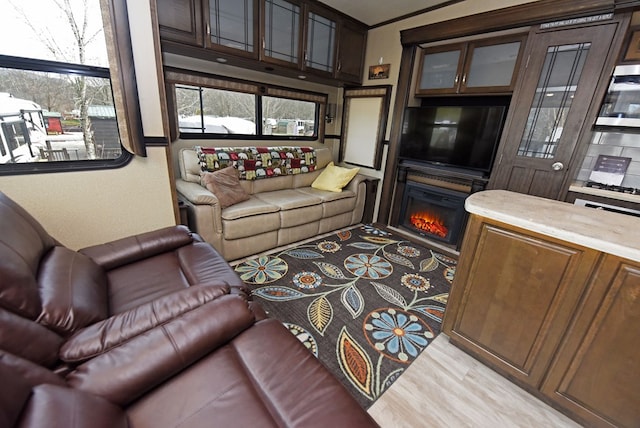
(621, 105)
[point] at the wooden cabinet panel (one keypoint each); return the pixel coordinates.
(292, 36)
(181, 21)
(512, 297)
(597, 372)
(352, 44)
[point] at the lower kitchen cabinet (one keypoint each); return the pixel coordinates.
(561, 319)
(596, 374)
(513, 296)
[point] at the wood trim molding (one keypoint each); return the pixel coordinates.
(402, 97)
(532, 13)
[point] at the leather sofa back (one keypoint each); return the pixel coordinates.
(47, 291)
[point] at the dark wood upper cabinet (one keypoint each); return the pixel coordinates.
(297, 35)
(232, 26)
(282, 32)
(181, 21)
(352, 43)
(484, 66)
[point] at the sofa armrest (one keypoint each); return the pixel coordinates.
(127, 371)
(355, 182)
(133, 248)
(105, 335)
(195, 193)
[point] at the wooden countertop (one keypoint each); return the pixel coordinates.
(612, 233)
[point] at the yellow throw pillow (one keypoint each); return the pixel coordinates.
(334, 178)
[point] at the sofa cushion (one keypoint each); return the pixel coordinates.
(334, 203)
(249, 208)
(252, 226)
(225, 185)
(289, 199)
(334, 178)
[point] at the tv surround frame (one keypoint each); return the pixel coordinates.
(461, 133)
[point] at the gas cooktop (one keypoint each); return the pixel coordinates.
(621, 189)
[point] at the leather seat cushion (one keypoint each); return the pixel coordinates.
(141, 282)
(265, 377)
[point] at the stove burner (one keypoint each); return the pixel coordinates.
(612, 188)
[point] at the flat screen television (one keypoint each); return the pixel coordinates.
(454, 134)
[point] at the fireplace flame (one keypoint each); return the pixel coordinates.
(430, 223)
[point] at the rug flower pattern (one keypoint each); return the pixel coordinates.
(363, 301)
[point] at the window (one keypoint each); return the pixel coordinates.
(211, 107)
(57, 109)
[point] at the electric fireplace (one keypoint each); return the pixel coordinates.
(433, 212)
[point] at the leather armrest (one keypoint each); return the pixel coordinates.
(105, 335)
(133, 248)
(129, 370)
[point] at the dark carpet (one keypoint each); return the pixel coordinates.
(363, 300)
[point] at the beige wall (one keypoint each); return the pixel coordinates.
(86, 208)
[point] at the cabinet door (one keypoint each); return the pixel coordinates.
(282, 32)
(491, 65)
(231, 26)
(320, 50)
(440, 69)
(352, 44)
(512, 297)
(597, 372)
(549, 109)
(180, 21)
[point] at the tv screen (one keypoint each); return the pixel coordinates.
(463, 136)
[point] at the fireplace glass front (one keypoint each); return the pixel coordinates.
(433, 212)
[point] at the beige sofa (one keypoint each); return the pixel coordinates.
(281, 210)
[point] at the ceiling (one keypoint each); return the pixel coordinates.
(373, 12)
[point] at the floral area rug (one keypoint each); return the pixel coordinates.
(364, 301)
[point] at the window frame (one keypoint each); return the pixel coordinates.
(121, 73)
(174, 77)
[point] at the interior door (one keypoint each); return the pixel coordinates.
(549, 109)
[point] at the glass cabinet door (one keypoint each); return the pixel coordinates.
(491, 66)
(282, 31)
(440, 69)
(231, 24)
(549, 109)
(321, 41)
(553, 98)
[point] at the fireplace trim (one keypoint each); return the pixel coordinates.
(451, 199)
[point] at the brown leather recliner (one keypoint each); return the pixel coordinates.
(151, 330)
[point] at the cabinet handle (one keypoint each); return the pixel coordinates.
(464, 79)
(208, 29)
(455, 81)
(339, 65)
(264, 44)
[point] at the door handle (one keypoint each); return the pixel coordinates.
(557, 166)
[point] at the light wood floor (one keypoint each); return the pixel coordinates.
(445, 387)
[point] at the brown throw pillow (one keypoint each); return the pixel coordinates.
(225, 184)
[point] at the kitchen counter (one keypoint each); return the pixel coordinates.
(620, 196)
(604, 231)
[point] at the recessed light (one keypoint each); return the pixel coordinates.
(302, 76)
(222, 60)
